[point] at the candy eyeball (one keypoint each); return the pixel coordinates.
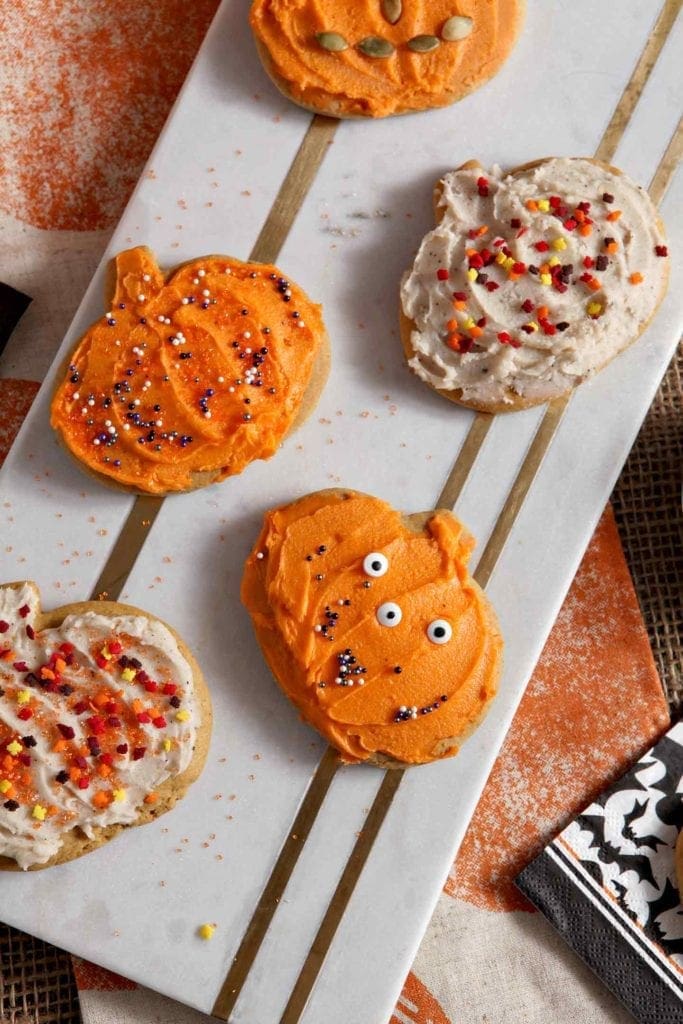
(389, 614)
(375, 564)
(439, 631)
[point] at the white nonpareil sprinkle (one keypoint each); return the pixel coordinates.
(146, 277)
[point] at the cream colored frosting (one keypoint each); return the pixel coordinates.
(544, 365)
(23, 836)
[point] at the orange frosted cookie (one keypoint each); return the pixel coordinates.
(379, 57)
(188, 378)
(372, 625)
(105, 721)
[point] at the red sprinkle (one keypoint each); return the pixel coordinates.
(555, 201)
(24, 610)
(101, 662)
(122, 748)
(4, 626)
(504, 337)
(442, 274)
(83, 782)
(80, 707)
(21, 666)
(460, 297)
(151, 686)
(107, 759)
(528, 306)
(30, 632)
(661, 250)
(139, 753)
(542, 246)
(169, 689)
(25, 714)
(159, 722)
(115, 647)
(570, 224)
(491, 286)
(66, 731)
(25, 759)
(144, 718)
(483, 186)
(66, 648)
(588, 262)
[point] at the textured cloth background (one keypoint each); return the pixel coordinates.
(82, 103)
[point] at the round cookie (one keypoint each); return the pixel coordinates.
(189, 377)
(381, 57)
(105, 721)
(372, 625)
(531, 282)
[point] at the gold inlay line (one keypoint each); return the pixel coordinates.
(638, 80)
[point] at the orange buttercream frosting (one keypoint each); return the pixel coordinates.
(424, 65)
(374, 629)
(188, 380)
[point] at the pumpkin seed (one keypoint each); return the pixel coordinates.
(332, 41)
(423, 44)
(392, 10)
(457, 27)
(375, 46)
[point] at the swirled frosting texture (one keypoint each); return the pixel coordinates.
(532, 281)
(188, 380)
(95, 714)
(323, 617)
(349, 83)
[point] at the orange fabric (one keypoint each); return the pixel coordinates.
(381, 687)
(363, 85)
(90, 88)
(204, 372)
(89, 976)
(593, 705)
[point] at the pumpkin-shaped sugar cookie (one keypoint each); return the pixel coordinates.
(372, 625)
(532, 281)
(373, 58)
(188, 378)
(105, 721)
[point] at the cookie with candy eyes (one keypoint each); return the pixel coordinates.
(189, 377)
(372, 625)
(105, 720)
(373, 58)
(532, 281)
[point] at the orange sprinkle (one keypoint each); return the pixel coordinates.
(471, 252)
(614, 215)
(579, 216)
(453, 341)
(101, 799)
(636, 278)
(483, 230)
(594, 284)
(476, 332)
(46, 673)
(459, 304)
(512, 276)
(104, 771)
(8, 656)
(452, 325)
(585, 230)
(543, 312)
(8, 762)
(60, 664)
(60, 746)
(532, 205)
(75, 774)
(101, 698)
(52, 810)
(138, 706)
(612, 247)
(151, 798)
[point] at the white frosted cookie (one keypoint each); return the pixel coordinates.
(531, 281)
(105, 721)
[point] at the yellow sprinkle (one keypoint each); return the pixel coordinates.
(167, 744)
(533, 325)
(500, 258)
(468, 323)
(553, 261)
(5, 784)
(106, 653)
(14, 748)
(205, 931)
(39, 812)
(472, 274)
(543, 205)
(183, 715)
(509, 262)
(128, 674)
(546, 279)
(594, 308)
(559, 244)
(23, 696)
(119, 795)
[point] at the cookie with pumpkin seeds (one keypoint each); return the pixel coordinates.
(375, 58)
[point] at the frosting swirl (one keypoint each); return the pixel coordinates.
(532, 281)
(95, 714)
(187, 381)
(374, 630)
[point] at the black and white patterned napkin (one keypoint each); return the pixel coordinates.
(608, 884)
(13, 305)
